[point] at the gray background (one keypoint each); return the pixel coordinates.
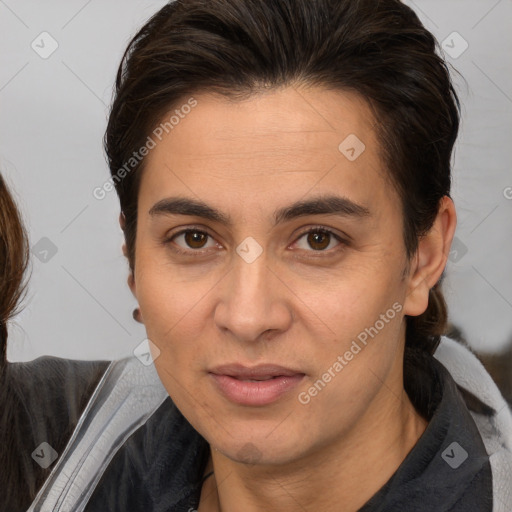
(52, 118)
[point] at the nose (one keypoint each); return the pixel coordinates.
(254, 303)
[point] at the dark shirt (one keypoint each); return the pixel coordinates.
(161, 466)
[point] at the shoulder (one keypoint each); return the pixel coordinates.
(476, 385)
(52, 371)
(40, 405)
(129, 393)
(490, 411)
(52, 391)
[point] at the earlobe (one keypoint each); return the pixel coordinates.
(416, 300)
(122, 221)
(131, 284)
(430, 258)
(136, 313)
(131, 279)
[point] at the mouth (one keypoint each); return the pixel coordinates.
(259, 372)
(255, 386)
(257, 379)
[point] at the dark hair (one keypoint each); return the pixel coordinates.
(378, 49)
(14, 259)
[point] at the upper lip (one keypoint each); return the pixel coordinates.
(255, 372)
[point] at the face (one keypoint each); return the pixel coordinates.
(293, 256)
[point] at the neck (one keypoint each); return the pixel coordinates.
(349, 471)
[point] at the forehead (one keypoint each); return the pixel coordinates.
(284, 140)
(282, 118)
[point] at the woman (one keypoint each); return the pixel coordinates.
(41, 401)
(283, 170)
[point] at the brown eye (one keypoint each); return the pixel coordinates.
(319, 240)
(195, 239)
(190, 241)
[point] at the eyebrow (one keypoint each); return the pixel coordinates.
(331, 204)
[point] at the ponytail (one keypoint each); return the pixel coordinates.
(423, 335)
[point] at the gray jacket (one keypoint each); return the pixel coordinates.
(132, 450)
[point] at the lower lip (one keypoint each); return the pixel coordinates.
(262, 392)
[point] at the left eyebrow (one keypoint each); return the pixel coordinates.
(333, 205)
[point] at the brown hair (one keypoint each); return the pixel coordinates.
(14, 259)
(378, 49)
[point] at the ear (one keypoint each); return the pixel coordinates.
(122, 221)
(131, 279)
(430, 259)
(122, 224)
(131, 284)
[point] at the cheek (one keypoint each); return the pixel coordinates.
(364, 337)
(354, 300)
(170, 303)
(352, 370)
(356, 354)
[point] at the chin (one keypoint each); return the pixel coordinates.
(261, 451)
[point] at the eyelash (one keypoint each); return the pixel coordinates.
(198, 252)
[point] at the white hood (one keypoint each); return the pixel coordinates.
(496, 430)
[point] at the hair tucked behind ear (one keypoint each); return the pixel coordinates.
(14, 258)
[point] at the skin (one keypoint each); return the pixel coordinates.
(299, 304)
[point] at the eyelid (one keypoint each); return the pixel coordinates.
(343, 240)
(187, 252)
(340, 235)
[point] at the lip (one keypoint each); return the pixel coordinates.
(254, 372)
(255, 386)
